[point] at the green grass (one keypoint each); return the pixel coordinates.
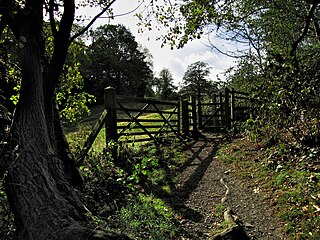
(148, 217)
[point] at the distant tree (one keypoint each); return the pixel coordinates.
(196, 80)
(164, 83)
(115, 59)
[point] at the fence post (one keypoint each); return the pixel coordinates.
(194, 113)
(214, 107)
(111, 118)
(185, 117)
(200, 114)
(227, 109)
(232, 105)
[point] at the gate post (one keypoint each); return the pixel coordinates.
(227, 109)
(232, 106)
(194, 114)
(200, 114)
(111, 118)
(185, 117)
(214, 107)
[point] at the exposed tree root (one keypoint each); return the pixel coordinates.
(234, 230)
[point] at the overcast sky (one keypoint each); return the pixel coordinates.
(176, 60)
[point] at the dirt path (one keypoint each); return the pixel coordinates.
(200, 192)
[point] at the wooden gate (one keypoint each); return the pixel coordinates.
(145, 119)
(222, 111)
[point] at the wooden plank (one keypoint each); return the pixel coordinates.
(93, 135)
(242, 93)
(137, 127)
(145, 111)
(149, 133)
(194, 113)
(124, 99)
(145, 120)
(211, 104)
(241, 98)
(134, 119)
(166, 120)
(185, 117)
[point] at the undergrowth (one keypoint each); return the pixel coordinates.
(287, 173)
(126, 193)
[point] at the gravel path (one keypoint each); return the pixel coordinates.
(199, 193)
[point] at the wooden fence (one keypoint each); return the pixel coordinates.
(128, 119)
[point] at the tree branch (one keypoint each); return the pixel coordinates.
(61, 40)
(52, 21)
(294, 46)
(92, 21)
(317, 28)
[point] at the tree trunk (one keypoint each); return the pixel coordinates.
(44, 203)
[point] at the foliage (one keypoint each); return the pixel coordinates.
(115, 59)
(124, 193)
(103, 193)
(278, 48)
(72, 97)
(6, 217)
(10, 72)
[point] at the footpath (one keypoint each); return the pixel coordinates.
(214, 204)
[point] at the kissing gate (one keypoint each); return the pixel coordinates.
(216, 115)
(134, 120)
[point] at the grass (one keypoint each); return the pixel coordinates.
(287, 174)
(148, 217)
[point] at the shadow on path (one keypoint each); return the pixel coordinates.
(193, 170)
(205, 158)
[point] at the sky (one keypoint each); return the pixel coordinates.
(176, 60)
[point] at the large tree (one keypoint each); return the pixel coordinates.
(38, 168)
(115, 59)
(164, 85)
